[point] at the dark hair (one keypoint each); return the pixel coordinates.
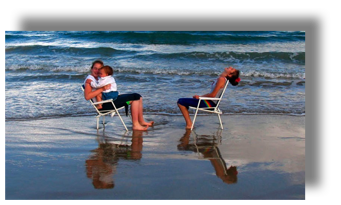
(233, 79)
(96, 61)
(108, 70)
(231, 175)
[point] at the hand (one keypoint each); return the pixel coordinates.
(196, 96)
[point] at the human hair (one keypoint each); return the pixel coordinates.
(108, 70)
(96, 61)
(234, 77)
(231, 175)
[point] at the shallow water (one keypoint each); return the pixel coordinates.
(254, 157)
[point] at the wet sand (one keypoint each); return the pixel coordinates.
(254, 157)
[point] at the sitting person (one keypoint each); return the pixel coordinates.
(132, 99)
(230, 74)
(105, 73)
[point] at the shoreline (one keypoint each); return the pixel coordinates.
(158, 114)
(59, 158)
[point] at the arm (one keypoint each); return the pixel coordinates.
(88, 93)
(220, 84)
(101, 82)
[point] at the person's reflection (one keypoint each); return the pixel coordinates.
(207, 146)
(101, 165)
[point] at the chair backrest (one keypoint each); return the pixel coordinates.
(222, 93)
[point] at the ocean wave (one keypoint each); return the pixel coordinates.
(162, 37)
(68, 72)
(46, 69)
(77, 47)
(46, 50)
(294, 57)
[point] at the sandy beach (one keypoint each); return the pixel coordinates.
(254, 157)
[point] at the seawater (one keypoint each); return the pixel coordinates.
(45, 69)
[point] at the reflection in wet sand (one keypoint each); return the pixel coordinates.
(101, 165)
(207, 146)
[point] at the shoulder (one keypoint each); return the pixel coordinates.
(220, 82)
(221, 79)
(110, 78)
(106, 78)
(90, 77)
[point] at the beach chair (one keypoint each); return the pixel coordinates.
(208, 143)
(207, 148)
(103, 113)
(215, 109)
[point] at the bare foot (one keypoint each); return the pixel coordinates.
(188, 127)
(151, 123)
(139, 127)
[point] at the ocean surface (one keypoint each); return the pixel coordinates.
(45, 69)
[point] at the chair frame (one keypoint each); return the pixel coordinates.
(215, 109)
(103, 113)
(214, 146)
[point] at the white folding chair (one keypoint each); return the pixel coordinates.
(103, 113)
(215, 109)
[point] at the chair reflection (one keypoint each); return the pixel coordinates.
(102, 163)
(207, 147)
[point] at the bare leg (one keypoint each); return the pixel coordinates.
(185, 113)
(135, 116)
(140, 115)
(99, 98)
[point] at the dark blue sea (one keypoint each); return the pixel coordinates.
(45, 69)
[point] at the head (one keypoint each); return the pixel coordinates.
(231, 175)
(105, 71)
(96, 65)
(232, 75)
(98, 184)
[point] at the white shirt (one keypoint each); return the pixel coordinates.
(105, 81)
(92, 78)
(214, 84)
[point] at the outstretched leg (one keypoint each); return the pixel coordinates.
(135, 116)
(140, 115)
(185, 113)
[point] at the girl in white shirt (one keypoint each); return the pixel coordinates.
(134, 100)
(105, 73)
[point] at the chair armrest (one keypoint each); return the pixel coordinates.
(104, 101)
(208, 98)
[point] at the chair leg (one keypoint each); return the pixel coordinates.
(221, 124)
(195, 116)
(103, 121)
(97, 122)
(122, 121)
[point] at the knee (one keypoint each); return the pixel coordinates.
(180, 103)
(137, 96)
